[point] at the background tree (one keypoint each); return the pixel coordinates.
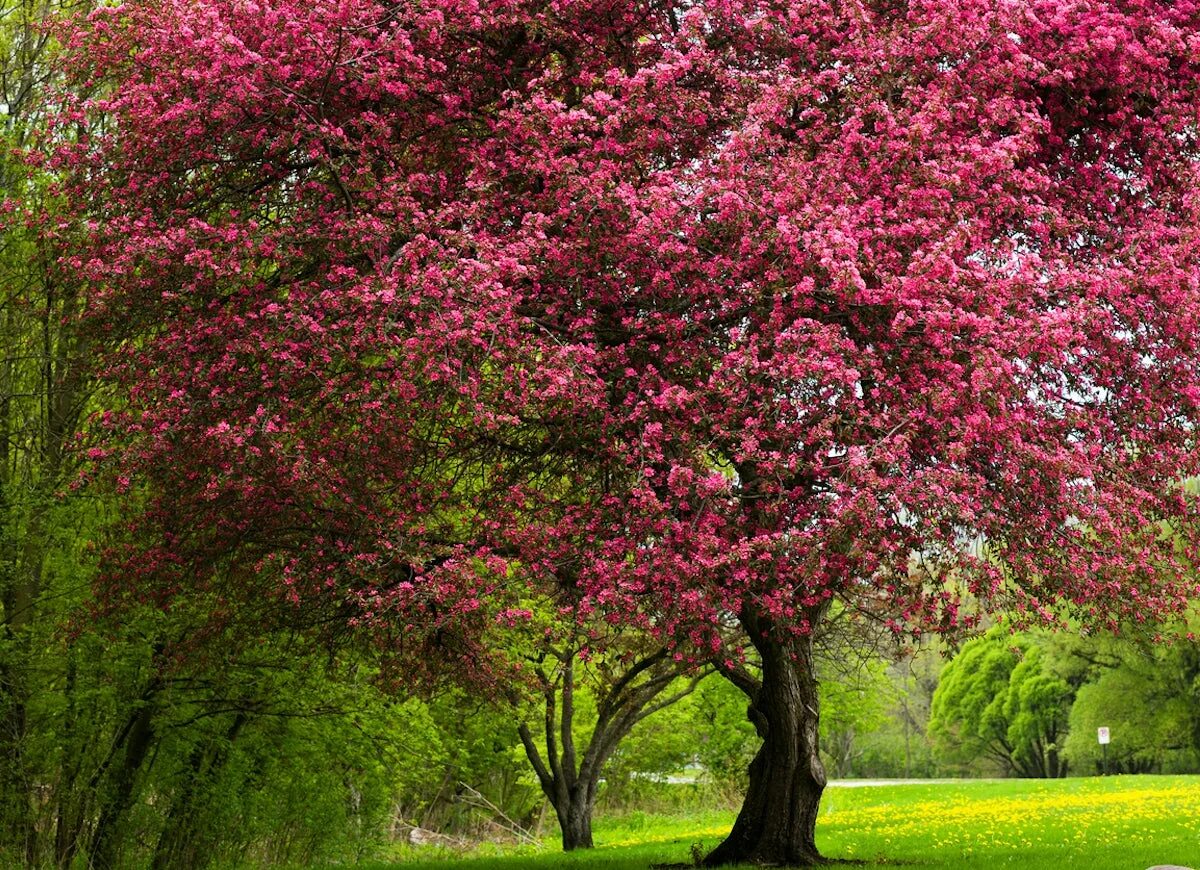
(45, 384)
(595, 687)
(1037, 705)
(725, 739)
(1145, 694)
(901, 747)
(854, 702)
(998, 700)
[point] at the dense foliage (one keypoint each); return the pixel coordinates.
(997, 700)
(1030, 705)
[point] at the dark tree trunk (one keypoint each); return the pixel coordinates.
(573, 796)
(575, 818)
(105, 840)
(778, 819)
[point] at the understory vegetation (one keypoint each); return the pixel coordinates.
(270, 755)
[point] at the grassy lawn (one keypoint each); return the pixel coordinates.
(1118, 823)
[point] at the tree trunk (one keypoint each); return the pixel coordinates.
(68, 820)
(575, 819)
(778, 819)
(106, 842)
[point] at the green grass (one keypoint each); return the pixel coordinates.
(1118, 823)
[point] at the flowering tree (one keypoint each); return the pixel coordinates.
(725, 309)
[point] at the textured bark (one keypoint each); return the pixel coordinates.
(575, 818)
(777, 822)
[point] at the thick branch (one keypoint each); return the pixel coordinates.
(611, 702)
(535, 759)
(567, 721)
(551, 741)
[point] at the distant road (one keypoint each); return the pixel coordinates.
(690, 778)
(866, 783)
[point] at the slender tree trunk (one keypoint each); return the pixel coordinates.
(778, 819)
(105, 841)
(571, 791)
(68, 821)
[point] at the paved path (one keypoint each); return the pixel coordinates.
(867, 783)
(690, 778)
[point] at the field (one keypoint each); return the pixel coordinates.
(1118, 823)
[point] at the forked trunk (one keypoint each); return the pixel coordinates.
(778, 819)
(570, 781)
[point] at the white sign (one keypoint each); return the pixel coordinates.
(1102, 735)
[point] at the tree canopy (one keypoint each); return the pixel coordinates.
(713, 312)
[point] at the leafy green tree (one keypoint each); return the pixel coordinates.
(44, 389)
(998, 701)
(1148, 696)
(629, 678)
(852, 704)
(1036, 706)
(967, 719)
(661, 746)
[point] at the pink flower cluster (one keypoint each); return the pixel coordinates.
(700, 308)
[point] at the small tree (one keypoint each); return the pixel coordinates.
(626, 682)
